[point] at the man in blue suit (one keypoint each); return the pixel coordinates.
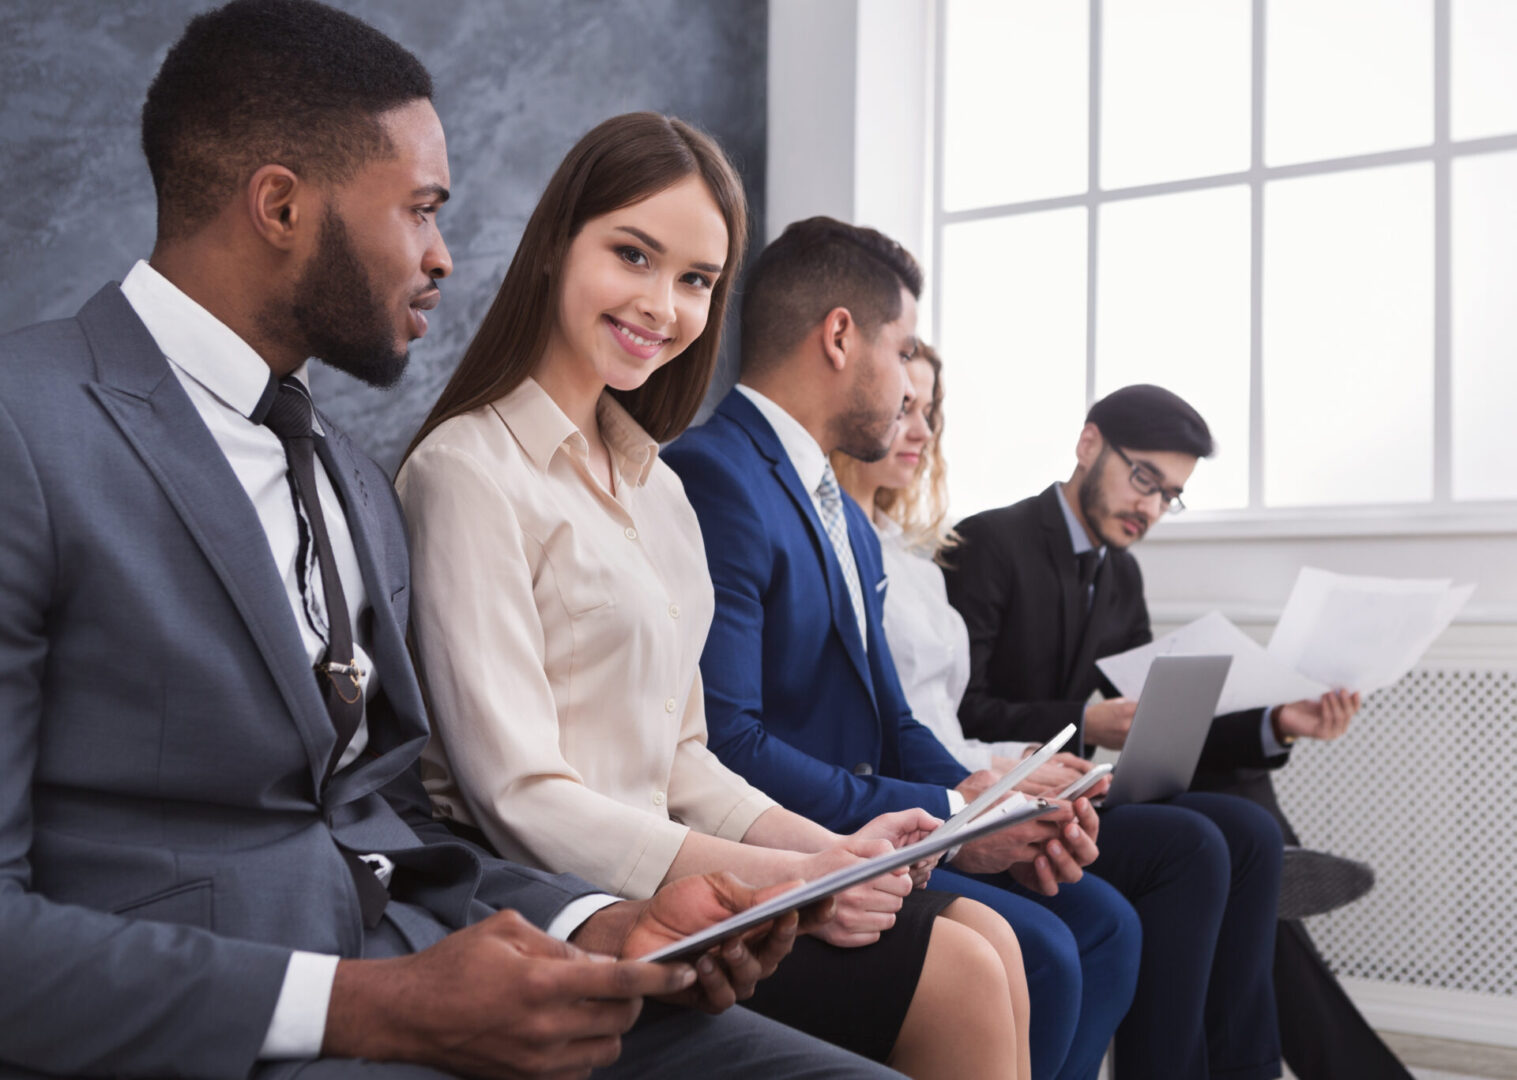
(802, 696)
(216, 855)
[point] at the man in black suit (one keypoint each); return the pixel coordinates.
(1047, 586)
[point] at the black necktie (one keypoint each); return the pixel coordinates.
(1089, 563)
(291, 416)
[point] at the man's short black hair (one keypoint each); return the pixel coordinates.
(1146, 417)
(814, 266)
(255, 82)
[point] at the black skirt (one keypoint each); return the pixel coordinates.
(854, 998)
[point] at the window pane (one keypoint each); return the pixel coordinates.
(1013, 355)
(1172, 306)
(1484, 325)
(1484, 92)
(1348, 337)
(1174, 90)
(1016, 94)
(1347, 77)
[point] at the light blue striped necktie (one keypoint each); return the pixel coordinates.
(836, 523)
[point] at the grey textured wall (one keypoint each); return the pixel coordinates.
(518, 81)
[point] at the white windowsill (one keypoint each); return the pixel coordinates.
(1472, 519)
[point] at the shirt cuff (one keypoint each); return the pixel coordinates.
(577, 912)
(1267, 741)
(299, 1023)
(955, 801)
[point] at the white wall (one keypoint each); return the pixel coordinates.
(849, 108)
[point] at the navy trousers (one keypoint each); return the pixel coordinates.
(1203, 874)
(1081, 961)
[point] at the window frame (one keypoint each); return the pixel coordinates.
(1442, 514)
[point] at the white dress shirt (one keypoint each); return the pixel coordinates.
(809, 461)
(930, 645)
(224, 378)
(1082, 543)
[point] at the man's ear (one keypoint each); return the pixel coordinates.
(1089, 446)
(278, 203)
(838, 332)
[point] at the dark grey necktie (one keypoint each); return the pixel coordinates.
(290, 415)
(291, 418)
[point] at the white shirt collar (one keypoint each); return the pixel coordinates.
(198, 343)
(804, 452)
(1077, 535)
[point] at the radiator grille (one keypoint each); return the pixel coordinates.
(1392, 792)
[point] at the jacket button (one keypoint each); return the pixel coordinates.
(863, 768)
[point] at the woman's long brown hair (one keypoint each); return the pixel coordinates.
(619, 162)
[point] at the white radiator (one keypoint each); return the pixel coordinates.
(1422, 788)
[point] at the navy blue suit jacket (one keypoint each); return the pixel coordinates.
(793, 700)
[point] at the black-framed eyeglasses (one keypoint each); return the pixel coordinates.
(1144, 482)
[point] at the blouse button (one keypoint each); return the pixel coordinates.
(669, 705)
(673, 611)
(631, 533)
(658, 798)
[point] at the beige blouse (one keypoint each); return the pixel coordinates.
(559, 630)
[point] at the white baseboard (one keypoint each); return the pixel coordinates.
(1439, 1014)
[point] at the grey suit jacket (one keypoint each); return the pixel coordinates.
(165, 840)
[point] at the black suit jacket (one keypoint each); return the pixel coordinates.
(1032, 654)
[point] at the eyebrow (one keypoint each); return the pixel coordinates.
(658, 247)
(1158, 474)
(436, 192)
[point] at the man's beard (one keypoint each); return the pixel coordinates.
(336, 316)
(1093, 507)
(861, 432)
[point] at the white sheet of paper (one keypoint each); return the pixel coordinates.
(1256, 678)
(1362, 633)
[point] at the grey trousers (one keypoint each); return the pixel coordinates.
(666, 1042)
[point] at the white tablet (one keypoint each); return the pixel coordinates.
(1079, 787)
(1003, 786)
(835, 882)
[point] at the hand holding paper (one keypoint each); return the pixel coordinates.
(1337, 632)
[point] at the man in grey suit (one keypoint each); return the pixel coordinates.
(216, 856)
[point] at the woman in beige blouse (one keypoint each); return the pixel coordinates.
(561, 602)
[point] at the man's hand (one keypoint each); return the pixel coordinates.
(1108, 722)
(1063, 862)
(727, 973)
(973, 785)
(1323, 718)
(498, 999)
(1055, 774)
(1021, 843)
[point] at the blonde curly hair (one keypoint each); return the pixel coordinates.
(922, 508)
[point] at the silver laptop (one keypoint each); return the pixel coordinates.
(1169, 728)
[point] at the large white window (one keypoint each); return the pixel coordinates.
(1300, 215)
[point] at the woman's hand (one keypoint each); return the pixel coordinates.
(866, 910)
(906, 827)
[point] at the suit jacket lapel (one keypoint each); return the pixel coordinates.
(142, 396)
(1084, 656)
(1061, 564)
(742, 411)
